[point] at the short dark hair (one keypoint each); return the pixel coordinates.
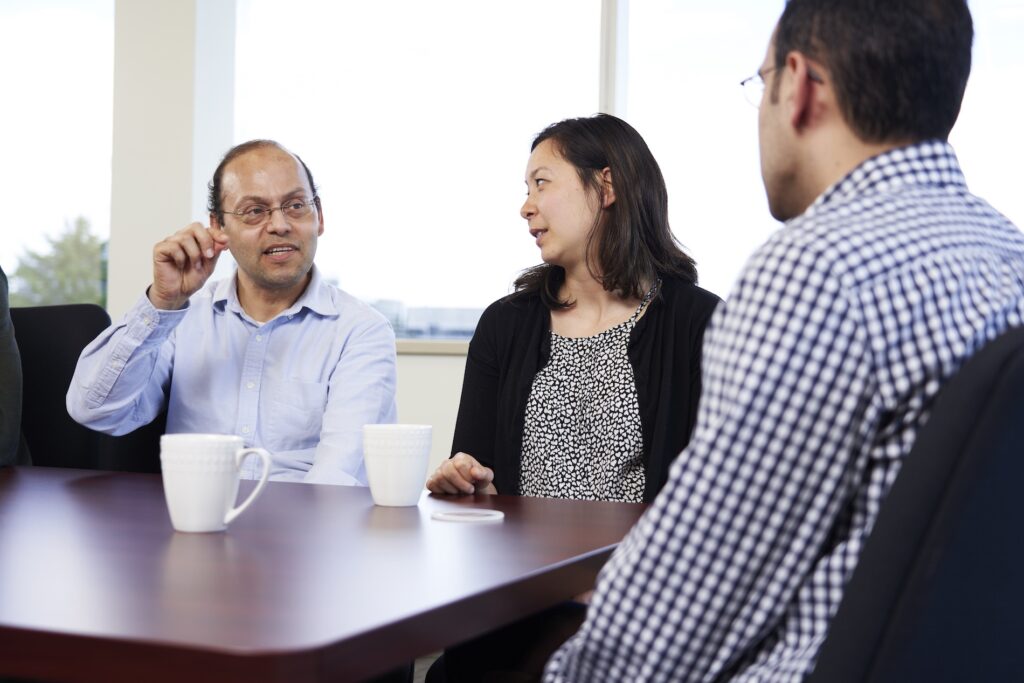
(631, 239)
(898, 67)
(213, 198)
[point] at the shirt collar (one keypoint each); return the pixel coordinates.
(317, 297)
(931, 163)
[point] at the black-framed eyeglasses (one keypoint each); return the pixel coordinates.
(753, 86)
(295, 209)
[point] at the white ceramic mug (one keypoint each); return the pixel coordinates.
(396, 459)
(201, 473)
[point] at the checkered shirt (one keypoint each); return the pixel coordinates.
(818, 373)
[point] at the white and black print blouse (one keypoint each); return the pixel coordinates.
(581, 437)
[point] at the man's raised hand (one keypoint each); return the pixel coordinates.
(183, 262)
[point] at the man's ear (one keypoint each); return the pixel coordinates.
(319, 216)
(607, 188)
(804, 94)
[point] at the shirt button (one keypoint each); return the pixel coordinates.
(259, 337)
(250, 385)
(245, 430)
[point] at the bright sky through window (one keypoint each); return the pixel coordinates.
(417, 118)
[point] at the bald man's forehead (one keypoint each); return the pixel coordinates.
(267, 173)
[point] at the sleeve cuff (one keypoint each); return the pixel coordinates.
(146, 322)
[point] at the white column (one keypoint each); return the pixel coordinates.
(614, 56)
(166, 126)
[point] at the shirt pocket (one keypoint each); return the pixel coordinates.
(293, 414)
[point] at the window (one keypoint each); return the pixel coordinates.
(987, 137)
(416, 120)
(685, 61)
(58, 80)
(417, 117)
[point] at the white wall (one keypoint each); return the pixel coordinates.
(429, 387)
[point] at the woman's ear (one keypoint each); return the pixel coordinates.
(607, 188)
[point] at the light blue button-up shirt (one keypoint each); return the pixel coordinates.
(301, 385)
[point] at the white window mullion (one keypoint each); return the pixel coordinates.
(614, 57)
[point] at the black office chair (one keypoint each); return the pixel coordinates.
(938, 593)
(50, 339)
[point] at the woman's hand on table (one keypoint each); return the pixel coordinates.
(462, 474)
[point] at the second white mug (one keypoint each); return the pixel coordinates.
(396, 457)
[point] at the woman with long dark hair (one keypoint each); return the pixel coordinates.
(584, 382)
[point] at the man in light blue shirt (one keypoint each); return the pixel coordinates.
(273, 354)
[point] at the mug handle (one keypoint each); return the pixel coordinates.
(240, 455)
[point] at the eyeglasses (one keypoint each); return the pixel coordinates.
(257, 214)
(753, 86)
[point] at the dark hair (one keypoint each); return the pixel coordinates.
(213, 198)
(631, 239)
(898, 67)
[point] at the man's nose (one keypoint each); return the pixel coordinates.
(278, 222)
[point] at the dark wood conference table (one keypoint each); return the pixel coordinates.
(312, 583)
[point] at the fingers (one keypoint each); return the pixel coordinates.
(193, 250)
(183, 262)
(209, 241)
(439, 483)
(461, 474)
(187, 248)
(219, 238)
(170, 252)
(471, 469)
(448, 478)
(482, 476)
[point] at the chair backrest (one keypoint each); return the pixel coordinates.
(50, 340)
(938, 592)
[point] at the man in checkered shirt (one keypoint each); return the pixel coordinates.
(823, 364)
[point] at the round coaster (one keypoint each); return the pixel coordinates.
(470, 516)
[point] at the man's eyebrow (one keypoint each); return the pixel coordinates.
(263, 200)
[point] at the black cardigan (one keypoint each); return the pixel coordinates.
(512, 343)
